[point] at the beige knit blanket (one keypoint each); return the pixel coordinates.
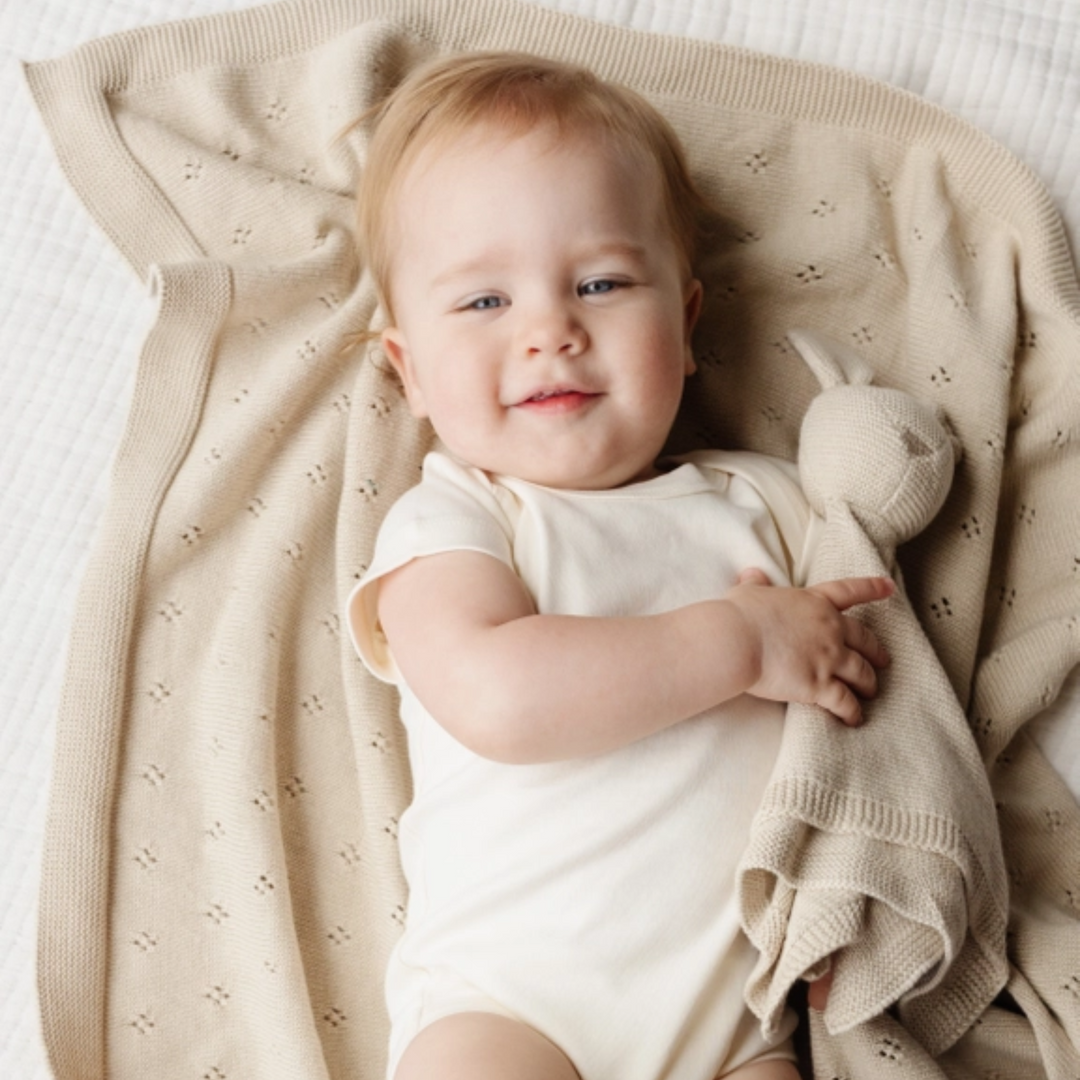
(220, 885)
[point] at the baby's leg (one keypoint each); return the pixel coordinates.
(484, 1046)
(771, 1069)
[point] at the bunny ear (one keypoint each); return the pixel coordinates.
(834, 364)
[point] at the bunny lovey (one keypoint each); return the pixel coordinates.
(876, 852)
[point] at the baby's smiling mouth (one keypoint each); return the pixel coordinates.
(558, 400)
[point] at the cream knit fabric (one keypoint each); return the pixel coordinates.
(220, 889)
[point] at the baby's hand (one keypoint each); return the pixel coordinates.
(806, 648)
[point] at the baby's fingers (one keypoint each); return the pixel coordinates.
(836, 697)
(857, 674)
(861, 639)
(847, 592)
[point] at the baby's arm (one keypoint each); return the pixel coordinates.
(519, 687)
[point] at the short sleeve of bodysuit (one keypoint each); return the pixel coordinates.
(451, 509)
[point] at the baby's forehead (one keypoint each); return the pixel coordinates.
(491, 164)
(484, 136)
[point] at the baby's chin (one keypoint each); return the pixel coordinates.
(575, 478)
(600, 470)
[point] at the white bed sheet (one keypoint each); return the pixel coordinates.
(72, 317)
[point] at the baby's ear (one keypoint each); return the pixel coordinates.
(832, 362)
(397, 352)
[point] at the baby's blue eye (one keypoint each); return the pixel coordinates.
(484, 303)
(598, 287)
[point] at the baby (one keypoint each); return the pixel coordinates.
(593, 644)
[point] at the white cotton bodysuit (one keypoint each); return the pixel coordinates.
(594, 898)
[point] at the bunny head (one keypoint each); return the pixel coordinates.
(885, 455)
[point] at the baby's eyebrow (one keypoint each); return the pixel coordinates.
(625, 248)
(493, 261)
(483, 261)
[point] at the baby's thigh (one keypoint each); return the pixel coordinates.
(482, 1046)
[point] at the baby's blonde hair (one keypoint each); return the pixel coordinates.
(514, 92)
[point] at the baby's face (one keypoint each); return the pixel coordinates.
(543, 314)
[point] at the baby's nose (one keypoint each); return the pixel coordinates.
(554, 332)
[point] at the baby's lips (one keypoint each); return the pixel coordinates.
(544, 392)
(557, 400)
